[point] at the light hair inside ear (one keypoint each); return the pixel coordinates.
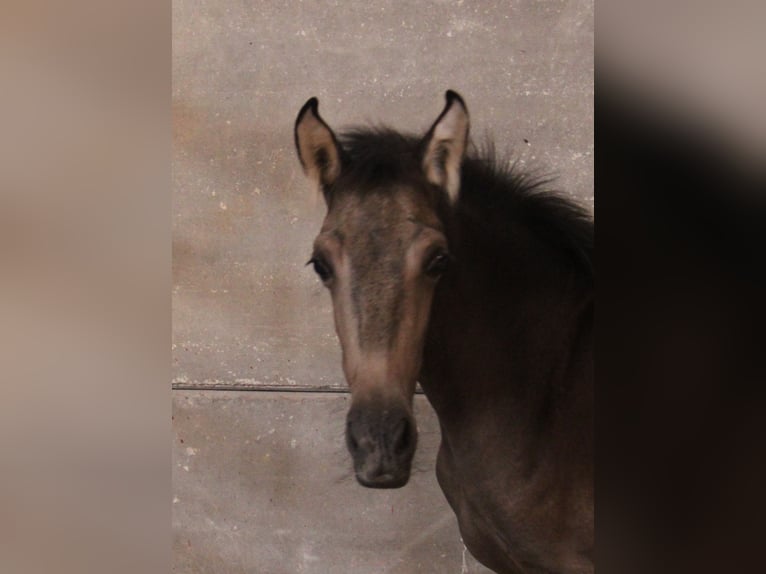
(446, 147)
(317, 149)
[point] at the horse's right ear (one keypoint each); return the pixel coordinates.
(318, 149)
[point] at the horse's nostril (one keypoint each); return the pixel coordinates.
(402, 436)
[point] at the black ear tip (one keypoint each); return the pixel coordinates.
(451, 96)
(312, 104)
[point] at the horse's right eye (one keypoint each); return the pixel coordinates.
(321, 269)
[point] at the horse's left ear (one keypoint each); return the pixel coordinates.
(445, 146)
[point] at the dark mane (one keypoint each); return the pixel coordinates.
(497, 190)
(504, 195)
(378, 156)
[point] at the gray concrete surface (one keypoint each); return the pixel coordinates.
(262, 483)
(248, 315)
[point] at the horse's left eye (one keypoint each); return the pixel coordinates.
(438, 265)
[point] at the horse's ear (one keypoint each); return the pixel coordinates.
(318, 149)
(445, 145)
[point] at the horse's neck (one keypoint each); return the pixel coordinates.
(501, 345)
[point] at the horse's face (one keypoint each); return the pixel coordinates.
(380, 256)
(380, 252)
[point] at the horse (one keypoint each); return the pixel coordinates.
(449, 268)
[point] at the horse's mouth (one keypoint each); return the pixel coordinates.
(384, 480)
(377, 469)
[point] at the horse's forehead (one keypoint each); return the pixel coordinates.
(389, 211)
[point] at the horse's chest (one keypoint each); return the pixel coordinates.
(503, 527)
(483, 532)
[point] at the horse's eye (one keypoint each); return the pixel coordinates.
(321, 269)
(438, 265)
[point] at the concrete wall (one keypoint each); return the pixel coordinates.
(247, 314)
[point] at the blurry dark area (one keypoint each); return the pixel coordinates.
(681, 282)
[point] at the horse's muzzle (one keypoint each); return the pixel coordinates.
(382, 442)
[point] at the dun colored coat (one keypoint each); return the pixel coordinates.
(451, 270)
